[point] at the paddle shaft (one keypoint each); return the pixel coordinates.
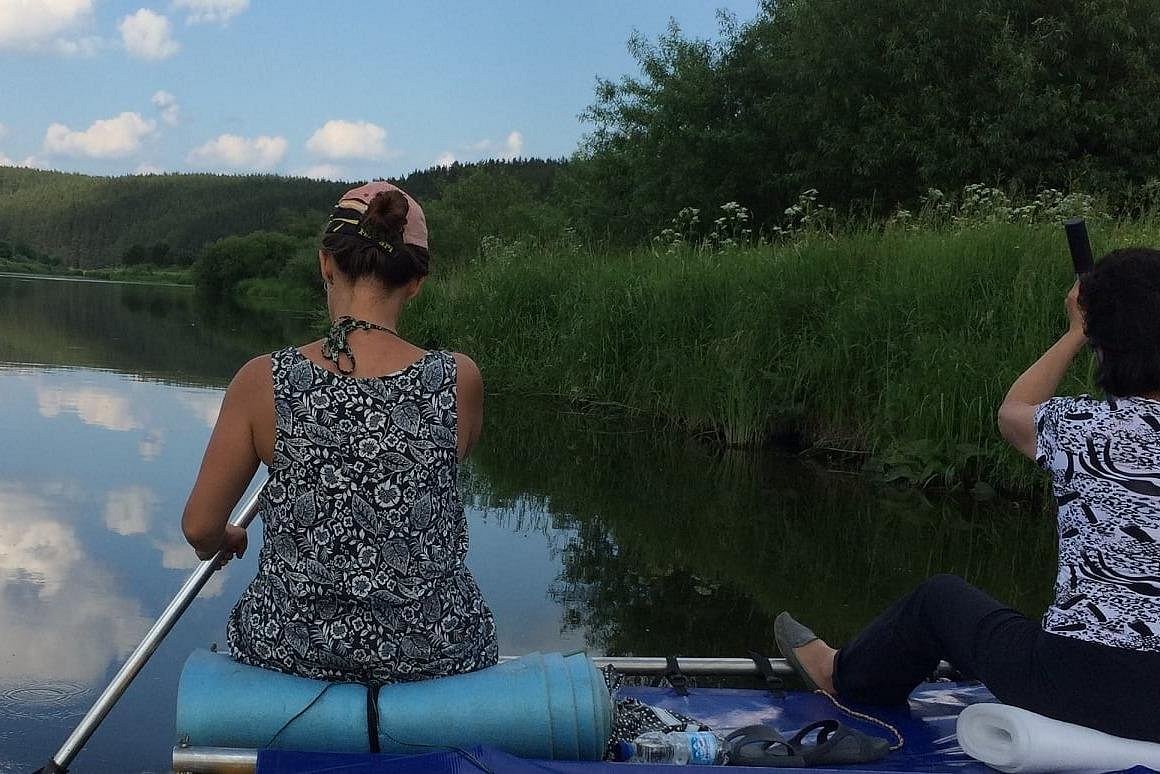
(165, 622)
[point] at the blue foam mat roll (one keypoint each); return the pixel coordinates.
(538, 706)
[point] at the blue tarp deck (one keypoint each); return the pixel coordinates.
(927, 724)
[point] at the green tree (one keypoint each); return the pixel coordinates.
(488, 202)
(135, 256)
(160, 255)
(660, 142)
(872, 103)
(225, 263)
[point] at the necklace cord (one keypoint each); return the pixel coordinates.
(336, 345)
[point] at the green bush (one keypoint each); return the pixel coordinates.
(225, 263)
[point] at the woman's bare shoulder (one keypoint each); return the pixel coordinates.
(255, 370)
(466, 368)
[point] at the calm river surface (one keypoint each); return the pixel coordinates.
(586, 532)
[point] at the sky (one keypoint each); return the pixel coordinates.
(342, 91)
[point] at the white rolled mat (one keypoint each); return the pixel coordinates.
(1015, 740)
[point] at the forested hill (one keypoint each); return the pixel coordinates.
(166, 219)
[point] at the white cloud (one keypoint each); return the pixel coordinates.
(179, 555)
(204, 405)
(167, 104)
(514, 145)
(86, 46)
(63, 617)
(324, 172)
(151, 444)
(446, 159)
(30, 162)
(45, 25)
(511, 147)
(145, 168)
(211, 11)
(36, 550)
(129, 510)
(100, 408)
(107, 138)
(146, 35)
(339, 139)
(230, 150)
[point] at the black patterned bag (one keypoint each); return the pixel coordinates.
(632, 717)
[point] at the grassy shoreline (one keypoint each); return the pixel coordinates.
(894, 346)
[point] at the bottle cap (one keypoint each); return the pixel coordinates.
(623, 751)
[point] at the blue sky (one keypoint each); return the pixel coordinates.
(337, 90)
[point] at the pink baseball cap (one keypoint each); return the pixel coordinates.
(356, 200)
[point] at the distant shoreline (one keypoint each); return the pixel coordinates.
(81, 278)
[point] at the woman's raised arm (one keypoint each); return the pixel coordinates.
(1038, 383)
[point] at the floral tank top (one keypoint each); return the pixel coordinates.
(361, 575)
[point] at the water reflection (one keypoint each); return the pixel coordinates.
(204, 405)
(602, 532)
(164, 333)
(99, 408)
(678, 550)
(64, 617)
(129, 510)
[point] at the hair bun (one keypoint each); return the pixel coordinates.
(386, 216)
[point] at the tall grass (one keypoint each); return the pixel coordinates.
(876, 341)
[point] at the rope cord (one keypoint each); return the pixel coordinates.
(299, 714)
(900, 741)
(450, 747)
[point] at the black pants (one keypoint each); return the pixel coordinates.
(1110, 689)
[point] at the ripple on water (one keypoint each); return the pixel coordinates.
(48, 698)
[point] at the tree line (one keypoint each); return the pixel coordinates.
(874, 103)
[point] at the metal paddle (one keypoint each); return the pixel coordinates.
(59, 763)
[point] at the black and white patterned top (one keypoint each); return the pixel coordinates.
(361, 575)
(1104, 460)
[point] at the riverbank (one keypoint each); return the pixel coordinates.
(891, 347)
(144, 274)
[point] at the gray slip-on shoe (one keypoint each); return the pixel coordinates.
(789, 635)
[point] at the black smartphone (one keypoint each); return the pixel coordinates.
(1081, 248)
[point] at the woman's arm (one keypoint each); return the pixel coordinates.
(469, 403)
(229, 464)
(1038, 383)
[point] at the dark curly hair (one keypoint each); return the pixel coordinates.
(1120, 299)
(384, 220)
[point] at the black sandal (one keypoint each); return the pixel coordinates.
(836, 743)
(761, 746)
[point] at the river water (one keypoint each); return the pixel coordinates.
(586, 531)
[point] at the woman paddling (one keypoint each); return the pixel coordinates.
(361, 575)
(1095, 658)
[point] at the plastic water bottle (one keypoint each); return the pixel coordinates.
(675, 747)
